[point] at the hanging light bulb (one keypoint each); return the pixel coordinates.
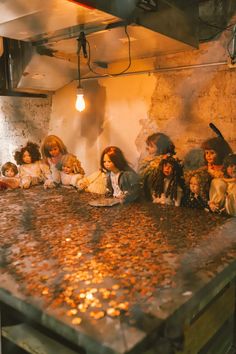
(80, 103)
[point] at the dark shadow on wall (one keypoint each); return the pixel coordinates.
(93, 116)
(194, 159)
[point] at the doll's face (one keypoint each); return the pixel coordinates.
(167, 169)
(67, 169)
(151, 149)
(210, 156)
(108, 164)
(9, 172)
(26, 158)
(54, 151)
(231, 171)
(194, 185)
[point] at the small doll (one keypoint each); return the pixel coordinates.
(32, 169)
(159, 146)
(122, 181)
(168, 182)
(10, 175)
(196, 195)
(72, 171)
(52, 150)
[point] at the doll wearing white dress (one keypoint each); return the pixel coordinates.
(32, 170)
(72, 170)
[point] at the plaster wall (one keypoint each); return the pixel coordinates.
(22, 119)
(184, 93)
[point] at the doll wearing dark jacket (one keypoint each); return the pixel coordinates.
(122, 182)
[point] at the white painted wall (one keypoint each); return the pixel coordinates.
(124, 104)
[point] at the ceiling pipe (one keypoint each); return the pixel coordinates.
(152, 71)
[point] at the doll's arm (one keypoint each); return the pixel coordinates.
(179, 196)
(25, 179)
(129, 182)
(47, 176)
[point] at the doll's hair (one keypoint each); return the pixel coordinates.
(49, 142)
(9, 165)
(117, 157)
(176, 179)
(204, 180)
(33, 150)
(72, 161)
(220, 146)
(228, 161)
(163, 143)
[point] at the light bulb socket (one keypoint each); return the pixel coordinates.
(80, 90)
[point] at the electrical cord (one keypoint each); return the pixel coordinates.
(108, 74)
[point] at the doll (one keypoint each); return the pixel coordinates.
(32, 169)
(167, 182)
(71, 172)
(10, 175)
(122, 181)
(197, 192)
(215, 150)
(158, 146)
(223, 190)
(229, 184)
(52, 150)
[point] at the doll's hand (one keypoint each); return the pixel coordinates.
(214, 207)
(48, 184)
(25, 185)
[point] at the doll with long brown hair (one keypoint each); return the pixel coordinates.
(123, 182)
(168, 182)
(158, 146)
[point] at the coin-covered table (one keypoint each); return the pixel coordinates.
(137, 278)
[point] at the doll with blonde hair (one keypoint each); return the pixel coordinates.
(10, 175)
(52, 149)
(197, 192)
(71, 171)
(32, 170)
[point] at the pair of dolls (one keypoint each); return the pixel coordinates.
(65, 168)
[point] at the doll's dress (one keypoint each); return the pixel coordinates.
(145, 169)
(11, 182)
(94, 183)
(70, 179)
(164, 200)
(34, 173)
(223, 193)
